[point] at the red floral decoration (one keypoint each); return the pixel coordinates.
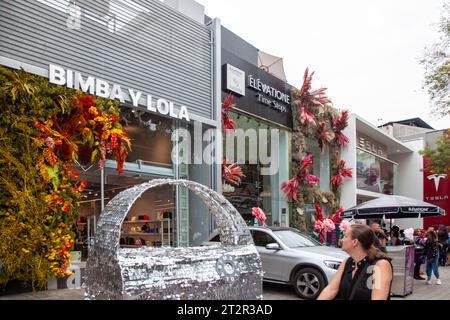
(319, 225)
(324, 135)
(309, 99)
(314, 117)
(339, 124)
(319, 212)
(259, 215)
(306, 117)
(227, 105)
(337, 216)
(311, 179)
(323, 225)
(87, 130)
(290, 189)
(306, 162)
(342, 172)
(303, 177)
(232, 173)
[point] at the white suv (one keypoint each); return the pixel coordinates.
(291, 257)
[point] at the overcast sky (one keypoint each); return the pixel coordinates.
(365, 52)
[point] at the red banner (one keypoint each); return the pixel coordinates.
(436, 190)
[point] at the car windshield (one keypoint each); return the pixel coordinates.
(294, 239)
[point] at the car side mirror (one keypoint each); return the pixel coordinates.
(273, 246)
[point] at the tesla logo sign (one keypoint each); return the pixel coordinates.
(437, 179)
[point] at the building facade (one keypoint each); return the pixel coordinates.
(380, 164)
(420, 184)
(162, 62)
(261, 141)
(263, 105)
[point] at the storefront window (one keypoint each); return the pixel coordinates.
(152, 219)
(257, 189)
(150, 136)
(90, 208)
(374, 173)
(199, 217)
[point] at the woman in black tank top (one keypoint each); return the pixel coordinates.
(366, 274)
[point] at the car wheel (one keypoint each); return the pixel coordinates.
(308, 283)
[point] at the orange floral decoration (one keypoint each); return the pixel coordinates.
(88, 134)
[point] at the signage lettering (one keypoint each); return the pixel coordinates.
(271, 103)
(436, 198)
(60, 76)
(418, 209)
(268, 92)
(366, 144)
(258, 85)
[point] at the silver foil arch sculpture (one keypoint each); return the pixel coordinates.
(231, 270)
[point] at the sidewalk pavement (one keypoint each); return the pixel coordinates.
(421, 291)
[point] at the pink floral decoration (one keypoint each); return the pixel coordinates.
(338, 179)
(290, 188)
(328, 225)
(339, 124)
(318, 226)
(312, 180)
(344, 226)
(306, 161)
(306, 117)
(259, 214)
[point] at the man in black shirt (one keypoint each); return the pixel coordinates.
(380, 239)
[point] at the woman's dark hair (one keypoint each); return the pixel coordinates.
(432, 234)
(366, 238)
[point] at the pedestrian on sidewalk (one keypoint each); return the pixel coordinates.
(443, 241)
(380, 237)
(448, 250)
(431, 251)
(418, 254)
(366, 275)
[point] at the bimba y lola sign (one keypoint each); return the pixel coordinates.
(101, 88)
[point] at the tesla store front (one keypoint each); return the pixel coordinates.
(162, 71)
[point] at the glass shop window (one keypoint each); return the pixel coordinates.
(321, 163)
(255, 189)
(374, 174)
(151, 219)
(90, 208)
(261, 238)
(150, 136)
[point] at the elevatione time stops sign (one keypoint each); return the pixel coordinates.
(101, 88)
